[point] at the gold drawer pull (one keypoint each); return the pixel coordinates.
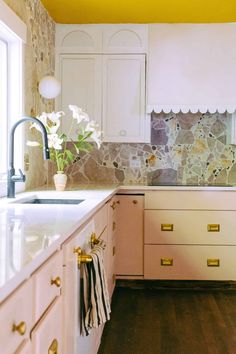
(56, 281)
(135, 201)
(113, 250)
(113, 205)
(113, 226)
(167, 227)
(215, 262)
(113, 278)
(167, 262)
(53, 349)
(20, 328)
(82, 258)
(213, 227)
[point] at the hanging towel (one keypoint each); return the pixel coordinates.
(95, 307)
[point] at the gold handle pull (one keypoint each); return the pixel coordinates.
(20, 328)
(167, 227)
(53, 349)
(113, 278)
(94, 239)
(135, 201)
(213, 227)
(113, 205)
(113, 226)
(215, 262)
(82, 258)
(56, 281)
(167, 262)
(113, 250)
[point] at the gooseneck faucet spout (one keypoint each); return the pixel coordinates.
(12, 178)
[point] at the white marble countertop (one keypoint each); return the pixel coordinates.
(29, 234)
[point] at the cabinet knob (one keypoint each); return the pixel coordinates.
(167, 227)
(82, 257)
(113, 226)
(113, 205)
(213, 227)
(123, 132)
(135, 202)
(215, 262)
(167, 262)
(53, 349)
(20, 328)
(56, 281)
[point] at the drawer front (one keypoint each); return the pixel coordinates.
(16, 318)
(100, 221)
(47, 335)
(25, 348)
(191, 199)
(190, 227)
(47, 283)
(190, 262)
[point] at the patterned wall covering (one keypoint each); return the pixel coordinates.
(39, 61)
(184, 149)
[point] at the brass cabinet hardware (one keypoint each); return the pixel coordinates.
(113, 226)
(167, 262)
(20, 328)
(118, 202)
(213, 227)
(113, 250)
(135, 202)
(94, 239)
(82, 257)
(214, 262)
(113, 205)
(113, 278)
(56, 281)
(53, 349)
(167, 227)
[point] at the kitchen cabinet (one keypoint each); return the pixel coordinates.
(189, 235)
(129, 254)
(75, 342)
(16, 318)
(103, 70)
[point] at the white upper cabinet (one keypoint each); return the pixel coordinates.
(124, 98)
(102, 70)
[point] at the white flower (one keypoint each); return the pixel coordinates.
(79, 114)
(51, 121)
(54, 141)
(55, 116)
(92, 126)
(32, 143)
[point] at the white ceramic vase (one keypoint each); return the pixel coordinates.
(60, 179)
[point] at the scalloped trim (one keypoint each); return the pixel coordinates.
(190, 108)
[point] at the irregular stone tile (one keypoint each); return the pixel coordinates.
(184, 137)
(159, 137)
(187, 120)
(162, 176)
(232, 174)
(218, 128)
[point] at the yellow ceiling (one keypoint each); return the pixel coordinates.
(145, 11)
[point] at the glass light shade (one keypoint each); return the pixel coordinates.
(49, 87)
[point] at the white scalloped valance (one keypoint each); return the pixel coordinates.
(192, 67)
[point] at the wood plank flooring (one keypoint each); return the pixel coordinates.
(162, 321)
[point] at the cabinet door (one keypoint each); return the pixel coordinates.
(24, 348)
(47, 335)
(129, 245)
(124, 117)
(80, 76)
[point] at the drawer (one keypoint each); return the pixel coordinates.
(191, 199)
(47, 284)
(190, 227)
(25, 348)
(47, 335)
(189, 262)
(16, 311)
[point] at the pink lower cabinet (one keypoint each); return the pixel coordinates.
(190, 262)
(47, 336)
(16, 319)
(25, 348)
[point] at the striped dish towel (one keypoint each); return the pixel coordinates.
(95, 307)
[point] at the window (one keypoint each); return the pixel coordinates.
(12, 38)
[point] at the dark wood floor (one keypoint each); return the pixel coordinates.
(162, 321)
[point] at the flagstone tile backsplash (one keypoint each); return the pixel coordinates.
(39, 61)
(185, 149)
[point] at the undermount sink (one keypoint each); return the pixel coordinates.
(52, 201)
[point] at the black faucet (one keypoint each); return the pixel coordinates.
(11, 177)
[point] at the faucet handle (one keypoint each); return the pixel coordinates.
(22, 176)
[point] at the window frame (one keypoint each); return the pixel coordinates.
(13, 33)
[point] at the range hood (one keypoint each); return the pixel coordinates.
(192, 67)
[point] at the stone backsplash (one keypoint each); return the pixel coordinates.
(185, 149)
(39, 61)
